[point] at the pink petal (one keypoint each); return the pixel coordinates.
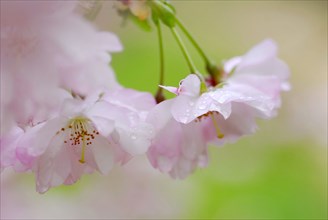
(190, 85)
(171, 89)
(103, 154)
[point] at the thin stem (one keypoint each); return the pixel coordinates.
(184, 51)
(161, 54)
(194, 42)
(159, 94)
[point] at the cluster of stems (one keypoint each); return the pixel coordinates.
(164, 13)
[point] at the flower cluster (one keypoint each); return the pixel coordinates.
(63, 114)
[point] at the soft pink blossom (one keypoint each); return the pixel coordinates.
(88, 135)
(251, 90)
(177, 148)
(262, 69)
(46, 45)
(69, 145)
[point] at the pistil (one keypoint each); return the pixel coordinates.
(218, 131)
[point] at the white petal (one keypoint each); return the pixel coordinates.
(136, 140)
(103, 154)
(160, 115)
(190, 85)
(183, 109)
(53, 167)
(194, 144)
(235, 92)
(130, 99)
(109, 42)
(103, 125)
(37, 139)
(262, 51)
(229, 65)
(172, 89)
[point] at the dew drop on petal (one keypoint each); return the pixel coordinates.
(184, 118)
(201, 107)
(133, 136)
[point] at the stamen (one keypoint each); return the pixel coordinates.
(81, 134)
(218, 132)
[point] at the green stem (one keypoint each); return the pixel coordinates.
(161, 54)
(159, 97)
(184, 50)
(194, 42)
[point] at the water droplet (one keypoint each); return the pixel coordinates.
(201, 107)
(133, 137)
(191, 103)
(183, 118)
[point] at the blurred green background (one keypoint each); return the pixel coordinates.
(278, 173)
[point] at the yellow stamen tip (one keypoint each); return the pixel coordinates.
(82, 161)
(220, 136)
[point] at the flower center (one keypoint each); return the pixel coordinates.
(80, 132)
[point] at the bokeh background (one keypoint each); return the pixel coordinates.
(278, 173)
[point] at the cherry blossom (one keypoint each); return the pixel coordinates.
(69, 145)
(64, 114)
(177, 148)
(239, 98)
(87, 135)
(44, 46)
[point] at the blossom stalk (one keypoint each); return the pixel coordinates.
(159, 95)
(194, 42)
(184, 50)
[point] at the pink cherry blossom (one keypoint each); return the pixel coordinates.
(262, 69)
(88, 135)
(46, 45)
(69, 145)
(231, 107)
(177, 148)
